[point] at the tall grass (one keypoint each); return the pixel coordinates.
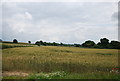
(52, 58)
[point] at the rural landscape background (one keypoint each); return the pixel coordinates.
(60, 61)
(60, 40)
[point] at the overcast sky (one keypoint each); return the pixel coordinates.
(67, 22)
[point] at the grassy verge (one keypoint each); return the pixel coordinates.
(66, 75)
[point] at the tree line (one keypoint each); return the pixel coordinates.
(103, 44)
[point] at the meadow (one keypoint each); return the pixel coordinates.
(59, 62)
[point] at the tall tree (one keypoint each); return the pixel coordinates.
(104, 43)
(88, 44)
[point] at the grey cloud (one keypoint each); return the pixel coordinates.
(116, 15)
(59, 22)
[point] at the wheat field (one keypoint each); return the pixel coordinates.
(49, 59)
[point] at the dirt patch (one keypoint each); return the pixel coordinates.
(6, 73)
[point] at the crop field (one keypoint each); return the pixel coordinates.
(12, 45)
(49, 62)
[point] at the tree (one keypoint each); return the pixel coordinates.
(114, 45)
(61, 44)
(88, 44)
(15, 41)
(44, 43)
(29, 42)
(55, 44)
(104, 43)
(77, 45)
(37, 43)
(41, 42)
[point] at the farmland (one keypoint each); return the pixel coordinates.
(61, 62)
(5, 45)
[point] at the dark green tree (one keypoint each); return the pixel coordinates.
(104, 43)
(77, 45)
(61, 44)
(44, 43)
(41, 42)
(114, 45)
(15, 41)
(54, 44)
(37, 43)
(88, 44)
(29, 42)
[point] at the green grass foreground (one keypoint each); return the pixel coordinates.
(55, 62)
(61, 75)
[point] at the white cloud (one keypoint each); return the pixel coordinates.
(28, 15)
(19, 22)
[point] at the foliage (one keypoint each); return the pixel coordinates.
(114, 45)
(88, 44)
(15, 41)
(29, 42)
(77, 45)
(37, 43)
(103, 44)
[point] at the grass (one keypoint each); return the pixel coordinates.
(64, 75)
(104, 53)
(77, 62)
(53, 75)
(92, 76)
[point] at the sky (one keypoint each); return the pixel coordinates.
(67, 22)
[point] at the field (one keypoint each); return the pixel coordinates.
(12, 45)
(57, 62)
